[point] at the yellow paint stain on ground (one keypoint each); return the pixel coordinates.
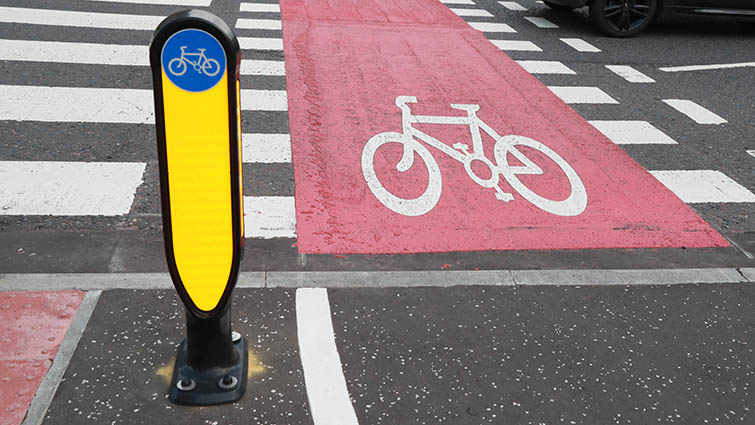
(256, 368)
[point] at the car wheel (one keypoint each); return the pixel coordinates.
(622, 18)
(557, 7)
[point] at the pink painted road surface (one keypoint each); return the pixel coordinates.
(32, 326)
(352, 65)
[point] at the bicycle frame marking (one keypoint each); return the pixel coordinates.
(573, 205)
(201, 64)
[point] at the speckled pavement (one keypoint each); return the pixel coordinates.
(432, 355)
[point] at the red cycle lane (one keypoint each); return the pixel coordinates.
(411, 132)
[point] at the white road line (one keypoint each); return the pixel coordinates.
(472, 12)
(266, 148)
(259, 24)
(632, 133)
(457, 2)
(257, 43)
(545, 67)
(67, 18)
(269, 217)
(195, 3)
(707, 67)
(328, 395)
(582, 95)
(694, 186)
(105, 105)
(65, 52)
(541, 22)
(516, 45)
(696, 112)
(259, 7)
(512, 5)
(491, 27)
(751, 152)
(630, 74)
(580, 45)
(257, 67)
(68, 188)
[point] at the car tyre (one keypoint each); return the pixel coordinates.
(622, 18)
(557, 7)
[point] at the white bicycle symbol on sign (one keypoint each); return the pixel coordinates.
(203, 64)
(573, 205)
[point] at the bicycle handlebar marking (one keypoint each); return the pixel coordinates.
(410, 139)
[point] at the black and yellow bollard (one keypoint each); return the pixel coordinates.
(195, 59)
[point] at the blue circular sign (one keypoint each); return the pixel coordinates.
(193, 60)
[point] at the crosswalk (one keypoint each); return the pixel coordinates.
(36, 183)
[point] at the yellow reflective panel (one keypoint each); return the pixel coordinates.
(198, 158)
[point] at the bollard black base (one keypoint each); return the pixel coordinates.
(215, 385)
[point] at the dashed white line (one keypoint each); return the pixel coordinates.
(630, 74)
(696, 112)
(269, 217)
(545, 67)
(632, 132)
(258, 43)
(580, 45)
(258, 24)
(68, 18)
(696, 186)
(266, 148)
(574, 95)
(491, 27)
(472, 12)
(512, 5)
(259, 7)
(68, 188)
(516, 45)
(541, 22)
(328, 395)
(707, 67)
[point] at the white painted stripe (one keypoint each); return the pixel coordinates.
(580, 45)
(582, 94)
(269, 217)
(68, 188)
(472, 12)
(266, 148)
(515, 45)
(512, 5)
(457, 2)
(105, 105)
(328, 396)
(73, 104)
(491, 27)
(78, 19)
(707, 67)
(257, 43)
(751, 152)
(65, 52)
(259, 7)
(264, 100)
(691, 109)
(259, 24)
(545, 67)
(255, 67)
(197, 3)
(633, 133)
(541, 22)
(630, 74)
(693, 186)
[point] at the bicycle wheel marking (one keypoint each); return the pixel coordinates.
(193, 60)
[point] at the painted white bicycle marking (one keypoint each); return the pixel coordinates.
(203, 64)
(573, 205)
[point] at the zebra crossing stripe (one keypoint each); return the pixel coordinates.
(632, 132)
(269, 217)
(472, 12)
(105, 105)
(545, 67)
(258, 24)
(260, 67)
(697, 113)
(266, 148)
(67, 18)
(195, 3)
(574, 95)
(68, 188)
(516, 45)
(696, 186)
(491, 27)
(259, 7)
(66, 52)
(260, 43)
